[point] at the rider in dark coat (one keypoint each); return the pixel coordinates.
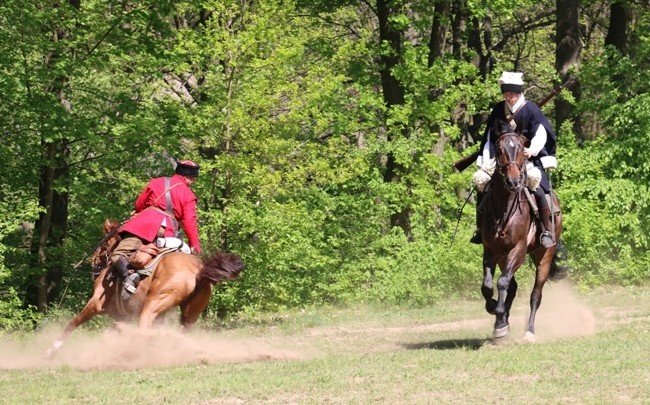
(526, 118)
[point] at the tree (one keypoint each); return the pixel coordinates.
(567, 61)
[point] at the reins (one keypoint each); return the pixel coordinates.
(510, 211)
(501, 232)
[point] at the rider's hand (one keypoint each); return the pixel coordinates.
(194, 251)
(527, 153)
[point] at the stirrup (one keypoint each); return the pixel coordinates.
(130, 284)
(546, 239)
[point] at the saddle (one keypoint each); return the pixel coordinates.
(143, 256)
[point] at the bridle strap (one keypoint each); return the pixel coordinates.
(501, 233)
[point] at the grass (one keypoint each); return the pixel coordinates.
(361, 356)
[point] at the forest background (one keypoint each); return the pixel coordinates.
(325, 131)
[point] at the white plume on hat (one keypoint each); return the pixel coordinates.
(512, 78)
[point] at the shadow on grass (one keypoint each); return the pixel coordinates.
(449, 344)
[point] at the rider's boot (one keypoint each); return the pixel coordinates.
(129, 279)
(130, 285)
(121, 267)
(546, 238)
(476, 239)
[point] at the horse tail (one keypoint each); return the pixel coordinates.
(220, 267)
(559, 265)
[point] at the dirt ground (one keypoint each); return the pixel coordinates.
(564, 313)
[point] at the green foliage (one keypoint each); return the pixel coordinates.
(605, 183)
(281, 104)
(13, 317)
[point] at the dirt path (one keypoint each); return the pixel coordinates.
(563, 314)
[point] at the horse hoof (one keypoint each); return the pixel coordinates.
(529, 337)
(55, 348)
(501, 332)
(491, 306)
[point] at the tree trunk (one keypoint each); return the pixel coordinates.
(617, 30)
(51, 226)
(439, 29)
(393, 94)
(567, 59)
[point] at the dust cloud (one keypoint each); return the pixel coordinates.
(130, 348)
(561, 314)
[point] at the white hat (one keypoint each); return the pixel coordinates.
(511, 82)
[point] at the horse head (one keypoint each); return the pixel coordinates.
(101, 257)
(510, 159)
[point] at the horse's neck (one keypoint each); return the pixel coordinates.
(505, 201)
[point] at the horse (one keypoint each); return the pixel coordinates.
(179, 279)
(510, 234)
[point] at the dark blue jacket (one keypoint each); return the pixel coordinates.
(528, 118)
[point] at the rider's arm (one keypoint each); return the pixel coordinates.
(143, 199)
(189, 221)
(538, 141)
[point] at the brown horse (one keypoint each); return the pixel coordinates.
(179, 279)
(510, 233)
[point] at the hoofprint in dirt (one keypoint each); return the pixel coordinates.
(564, 313)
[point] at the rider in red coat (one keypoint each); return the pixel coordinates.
(163, 203)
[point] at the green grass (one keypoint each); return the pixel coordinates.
(365, 355)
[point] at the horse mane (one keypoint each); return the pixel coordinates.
(100, 258)
(220, 267)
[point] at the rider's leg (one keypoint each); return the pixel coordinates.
(546, 239)
(479, 217)
(130, 279)
(121, 266)
(119, 257)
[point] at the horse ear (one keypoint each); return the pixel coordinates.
(109, 225)
(521, 126)
(500, 127)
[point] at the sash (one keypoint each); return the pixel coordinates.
(510, 116)
(169, 208)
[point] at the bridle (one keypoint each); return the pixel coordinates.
(511, 153)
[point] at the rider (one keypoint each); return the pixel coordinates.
(160, 206)
(527, 118)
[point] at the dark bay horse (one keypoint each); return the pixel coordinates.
(510, 234)
(179, 279)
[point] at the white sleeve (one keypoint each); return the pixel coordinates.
(485, 153)
(538, 141)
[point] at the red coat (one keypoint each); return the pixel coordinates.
(148, 220)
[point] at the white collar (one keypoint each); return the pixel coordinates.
(517, 105)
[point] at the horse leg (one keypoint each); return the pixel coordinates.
(536, 300)
(93, 307)
(486, 288)
(501, 326)
(510, 296)
(195, 304)
(154, 306)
